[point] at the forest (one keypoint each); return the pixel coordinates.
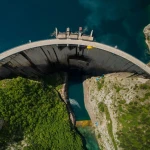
(35, 117)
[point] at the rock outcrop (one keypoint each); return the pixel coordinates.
(111, 101)
(147, 35)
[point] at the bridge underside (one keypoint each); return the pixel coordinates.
(43, 60)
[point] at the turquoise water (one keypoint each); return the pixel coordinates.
(88, 133)
(76, 96)
(21, 21)
(115, 22)
(121, 23)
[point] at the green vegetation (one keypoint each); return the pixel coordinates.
(122, 101)
(133, 122)
(99, 136)
(135, 126)
(103, 108)
(144, 86)
(100, 83)
(146, 96)
(56, 80)
(117, 88)
(34, 113)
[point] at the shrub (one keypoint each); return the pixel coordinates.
(100, 83)
(117, 88)
(101, 107)
(144, 86)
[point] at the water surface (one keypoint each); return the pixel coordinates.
(88, 133)
(76, 96)
(115, 22)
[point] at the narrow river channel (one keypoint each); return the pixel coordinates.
(76, 98)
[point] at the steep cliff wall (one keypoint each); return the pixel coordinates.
(118, 105)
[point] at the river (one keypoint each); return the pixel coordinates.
(76, 98)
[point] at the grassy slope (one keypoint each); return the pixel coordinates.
(133, 118)
(33, 111)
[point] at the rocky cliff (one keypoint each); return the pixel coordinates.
(147, 35)
(118, 105)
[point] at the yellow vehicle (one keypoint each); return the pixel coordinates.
(90, 47)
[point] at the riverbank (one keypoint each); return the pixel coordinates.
(88, 106)
(64, 95)
(83, 123)
(87, 102)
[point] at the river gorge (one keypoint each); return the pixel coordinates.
(76, 99)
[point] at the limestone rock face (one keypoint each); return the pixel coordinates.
(108, 100)
(147, 35)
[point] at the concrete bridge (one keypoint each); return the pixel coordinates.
(47, 56)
